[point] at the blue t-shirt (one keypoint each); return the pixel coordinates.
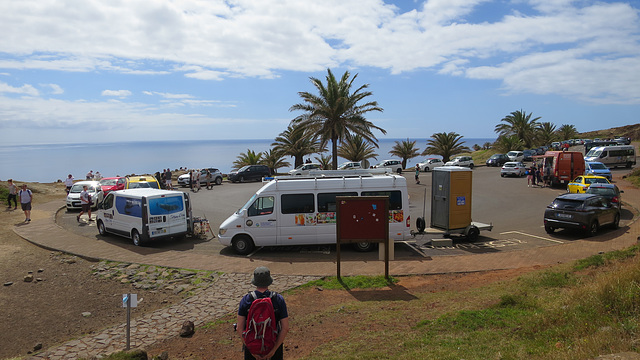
(279, 306)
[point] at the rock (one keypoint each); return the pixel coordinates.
(133, 267)
(28, 278)
(8, 283)
(163, 356)
(137, 354)
(40, 270)
(37, 347)
(188, 328)
(86, 314)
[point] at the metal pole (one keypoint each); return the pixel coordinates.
(128, 322)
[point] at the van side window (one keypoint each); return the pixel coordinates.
(327, 201)
(297, 203)
(262, 206)
(395, 197)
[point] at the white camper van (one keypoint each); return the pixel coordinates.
(144, 215)
(613, 156)
(302, 211)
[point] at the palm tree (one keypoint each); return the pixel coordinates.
(356, 148)
(520, 124)
(567, 132)
(248, 158)
(508, 143)
(336, 112)
(273, 159)
(324, 160)
(296, 142)
(546, 133)
(405, 150)
(446, 145)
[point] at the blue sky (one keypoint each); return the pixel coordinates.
(88, 70)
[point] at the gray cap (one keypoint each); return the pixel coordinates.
(262, 277)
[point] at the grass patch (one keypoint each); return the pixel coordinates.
(351, 282)
(596, 261)
(634, 177)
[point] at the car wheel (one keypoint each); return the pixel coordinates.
(470, 166)
(365, 246)
(218, 181)
(137, 239)
(502, 175)
(549, 229)
(242, 245)
(426, 169)
(616, 222)
(399, 171)
(629, 164)
(101, 229)
(473, 233)
(593, 228)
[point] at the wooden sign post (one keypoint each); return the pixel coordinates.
(362, 219)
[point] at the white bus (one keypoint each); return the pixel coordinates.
(613, 156)
(302, 211)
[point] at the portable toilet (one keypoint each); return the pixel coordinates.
(451, 198)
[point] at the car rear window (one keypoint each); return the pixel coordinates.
(566, 204)
(601, 191)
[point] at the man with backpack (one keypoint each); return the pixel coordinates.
(263, 320)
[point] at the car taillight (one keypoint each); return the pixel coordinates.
(614, 200)
(409, 221)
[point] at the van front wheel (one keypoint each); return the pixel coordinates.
(242, 245)
(364, 247)
(101, 229)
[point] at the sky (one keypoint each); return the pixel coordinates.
(82, 71)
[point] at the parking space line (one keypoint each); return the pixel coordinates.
(534, 236)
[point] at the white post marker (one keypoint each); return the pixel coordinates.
(129, 301)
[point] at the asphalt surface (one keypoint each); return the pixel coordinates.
(514, 209)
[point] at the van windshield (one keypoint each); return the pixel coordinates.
(166, 205)
(594, 153)
(247, 204)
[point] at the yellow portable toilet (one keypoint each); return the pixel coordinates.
(451, 198)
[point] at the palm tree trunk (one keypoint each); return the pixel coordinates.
(334, 150)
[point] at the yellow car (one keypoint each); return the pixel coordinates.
(580, 184)
(144, 181)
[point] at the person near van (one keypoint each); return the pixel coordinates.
(417, 174)
(26, 197)
(13, 193)
(68, 182)
(262, 279)
(85, 203)
(539, 175)
(547, 176)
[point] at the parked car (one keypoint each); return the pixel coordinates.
(461, 161)
(249, 173)
(586, 212)
(349, 165)
(580, 184)
(623, 140)
(394, 165)
(142, 182)
(513, 168)
(597, 168)
(529, 154)
(517, 156)
(112, 184)
(497, 160)
(610, 191)
(94, 189)
(184, 180)
(429, 164)
(305, 168)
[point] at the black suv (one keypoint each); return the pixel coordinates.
(586, 212)
(249, 173)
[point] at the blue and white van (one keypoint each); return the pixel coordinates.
(144, 215)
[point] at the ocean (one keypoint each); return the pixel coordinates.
(52, 162)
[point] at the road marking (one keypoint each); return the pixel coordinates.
(534, 236)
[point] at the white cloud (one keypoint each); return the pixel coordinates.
(24, 89)
(55, 88)
(117, 93)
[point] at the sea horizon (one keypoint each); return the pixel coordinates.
(52, 162)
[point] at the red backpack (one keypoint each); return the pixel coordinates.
(261, 329)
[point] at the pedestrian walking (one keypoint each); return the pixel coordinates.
(68, 182)
(26, 197)
(262, 345)
(85, 203)
(13, 193)
(417, 174)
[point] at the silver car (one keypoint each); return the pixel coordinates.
(513, 168)
(429, 164)
(94, 189)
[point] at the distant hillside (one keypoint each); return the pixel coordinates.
(630, 131)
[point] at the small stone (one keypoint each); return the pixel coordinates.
(28, 278)
(8, 283)
(39, 279)
(86, 314)
(188, 328)
(37, 347)
(40, 270)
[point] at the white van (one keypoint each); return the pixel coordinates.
(613, 156)
(144, 215)
(302, 211)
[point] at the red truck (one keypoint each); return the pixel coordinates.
(561, 166)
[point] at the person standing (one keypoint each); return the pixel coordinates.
(98, 176)
(417, 174)
(208, 178)
(90, 175)
(13, 193)
(68, 182)
(167, 179)
(26, 197)
(262, 279)
(85, 203)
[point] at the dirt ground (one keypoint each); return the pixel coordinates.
(49, 310)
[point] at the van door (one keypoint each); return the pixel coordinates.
(106, 212)
(166, 215)
(261, 220)
(128, 215)
(297, 219)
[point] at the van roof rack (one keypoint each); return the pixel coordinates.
(326, 174)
